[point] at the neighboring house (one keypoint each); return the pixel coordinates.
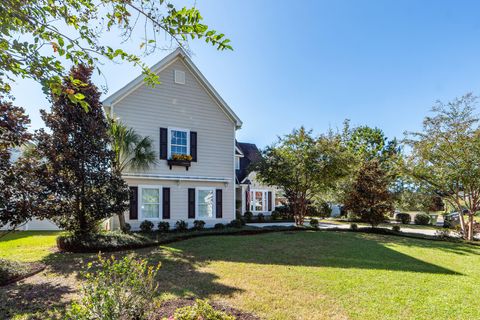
(183, 115)
(252, 195)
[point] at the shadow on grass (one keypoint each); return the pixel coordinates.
(27, 298)
(313, 249)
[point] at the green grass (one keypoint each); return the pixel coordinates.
(326, 275)
(285, 275)
(28, 246)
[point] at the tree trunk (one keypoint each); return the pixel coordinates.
(121, 219)
(470, 226)
(462, 222)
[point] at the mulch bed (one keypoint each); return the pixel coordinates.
(168, 308)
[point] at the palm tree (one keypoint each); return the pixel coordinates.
(132, 151)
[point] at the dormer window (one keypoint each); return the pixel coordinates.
(178, 142)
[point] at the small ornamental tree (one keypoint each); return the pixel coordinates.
(303, 167)
(77, 163)
(369, 196)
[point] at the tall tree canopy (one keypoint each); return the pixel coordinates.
(445, 156)
(303, 166)
(77, 166)
(40, 36)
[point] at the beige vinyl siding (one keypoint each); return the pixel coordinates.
(186, 106)
(179, 201)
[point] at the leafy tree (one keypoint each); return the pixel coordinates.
(77, 166)
(16, 184)
(303, 166)
(366, 143)
(132, 151)
(446, 154)
(40, 36)
(369, 196)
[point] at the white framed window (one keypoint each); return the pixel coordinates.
(205, 203)
(237, 163)
(178, 141)
(258, 200)
(149, 204)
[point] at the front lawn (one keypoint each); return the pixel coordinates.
(326, 275)
(285, 275)
(27, 246)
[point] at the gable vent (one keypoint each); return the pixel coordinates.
(179, 77)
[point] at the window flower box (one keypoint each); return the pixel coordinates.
(181, 160)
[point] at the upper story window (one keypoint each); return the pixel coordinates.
(237, 163)
(178, 142)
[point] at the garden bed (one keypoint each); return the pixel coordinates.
(117, 241)
(12, 271)
(167, 309)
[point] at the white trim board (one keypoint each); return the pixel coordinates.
(175, 178)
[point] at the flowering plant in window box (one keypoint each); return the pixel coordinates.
(183, 160)
(181, 157)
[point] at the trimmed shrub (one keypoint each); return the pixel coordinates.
(146, 226)
(181, 226)
(354, 227)
(219, 226)
(396, 228)
(127, 228)
(198, 224)
(422, 219)
(248, 216)
(118, 289)
(105, 241)
(314, 223)
(200, 310)
(163, 226)
(237, 223)
(261, 217)
(276, 215)
(404, 218)
(352, 217)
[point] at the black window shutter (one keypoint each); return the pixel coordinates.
(269, 200)
(219, 206)
(247, 203)
(133, 203)
(191, 203)
(163, 143)
(166, 203)
(193, 145)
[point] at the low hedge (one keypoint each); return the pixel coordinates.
(12, 271)
(117, 241)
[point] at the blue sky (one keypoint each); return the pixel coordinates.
(315, 63)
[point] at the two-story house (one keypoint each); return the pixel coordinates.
(184, 115)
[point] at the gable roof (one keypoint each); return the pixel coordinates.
(251, 155)
(179, 53)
